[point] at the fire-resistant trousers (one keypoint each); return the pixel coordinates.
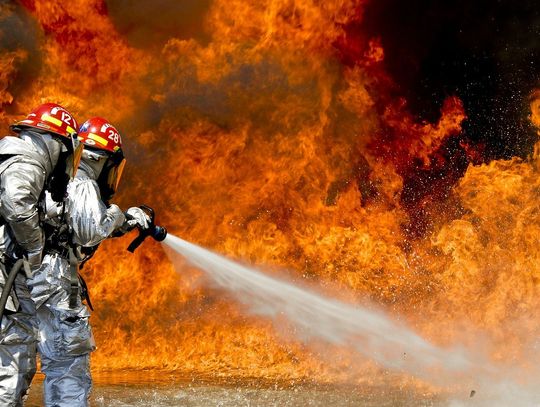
(18, 337)
(65, 336)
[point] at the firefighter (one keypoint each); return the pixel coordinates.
(44, 155)
(74, 229)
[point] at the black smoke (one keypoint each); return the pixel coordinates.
(486, 52)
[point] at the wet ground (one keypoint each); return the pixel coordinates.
(137, 390)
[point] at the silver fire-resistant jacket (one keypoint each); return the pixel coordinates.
(66, 338)
(25, 165)
(29, 161)
(91, 221)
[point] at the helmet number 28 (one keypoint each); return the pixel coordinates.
(114, 136)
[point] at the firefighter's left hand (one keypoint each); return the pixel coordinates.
(136, 217)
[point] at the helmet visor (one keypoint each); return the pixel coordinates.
(115, 174)
(74, 158)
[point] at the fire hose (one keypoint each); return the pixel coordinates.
(8, 285)
(158, 233)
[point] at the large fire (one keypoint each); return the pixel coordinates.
(276, 137)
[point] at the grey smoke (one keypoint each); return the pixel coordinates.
(20, 31)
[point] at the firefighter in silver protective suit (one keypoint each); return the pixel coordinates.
(45, 154)
(74, 229)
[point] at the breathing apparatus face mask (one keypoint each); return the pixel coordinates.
(110, 175)
(66, 167)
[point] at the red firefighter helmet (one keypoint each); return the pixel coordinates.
(51, 118)
(97, 133)
(100, 134)
(54, 119)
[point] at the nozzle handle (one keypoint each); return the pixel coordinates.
(137, 241)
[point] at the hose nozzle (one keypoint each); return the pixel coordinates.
(158, 233)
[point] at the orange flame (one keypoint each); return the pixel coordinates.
(264, 142)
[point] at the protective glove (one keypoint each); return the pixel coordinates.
(136, 217)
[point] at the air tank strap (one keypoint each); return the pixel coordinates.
(74, 278)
